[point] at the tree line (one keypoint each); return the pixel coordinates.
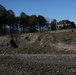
(10, 23)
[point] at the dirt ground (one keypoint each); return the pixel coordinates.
(28, 64)
(60, 41)
(45, 53)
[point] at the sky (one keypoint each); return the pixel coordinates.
(50, 9)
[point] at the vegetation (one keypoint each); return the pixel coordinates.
(10, 23)
(66, 24)
(53, 24)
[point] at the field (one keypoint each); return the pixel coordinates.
(46, 53)
(37, 64)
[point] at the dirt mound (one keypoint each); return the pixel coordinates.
(46, 42)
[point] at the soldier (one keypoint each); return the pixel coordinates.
(14, 37)
(13, 42)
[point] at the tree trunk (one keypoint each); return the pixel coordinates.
(4, 29)
(1, 30)
(40, 28)
(10, 30)
(23, 30)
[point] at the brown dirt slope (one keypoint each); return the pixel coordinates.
(60, 41)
